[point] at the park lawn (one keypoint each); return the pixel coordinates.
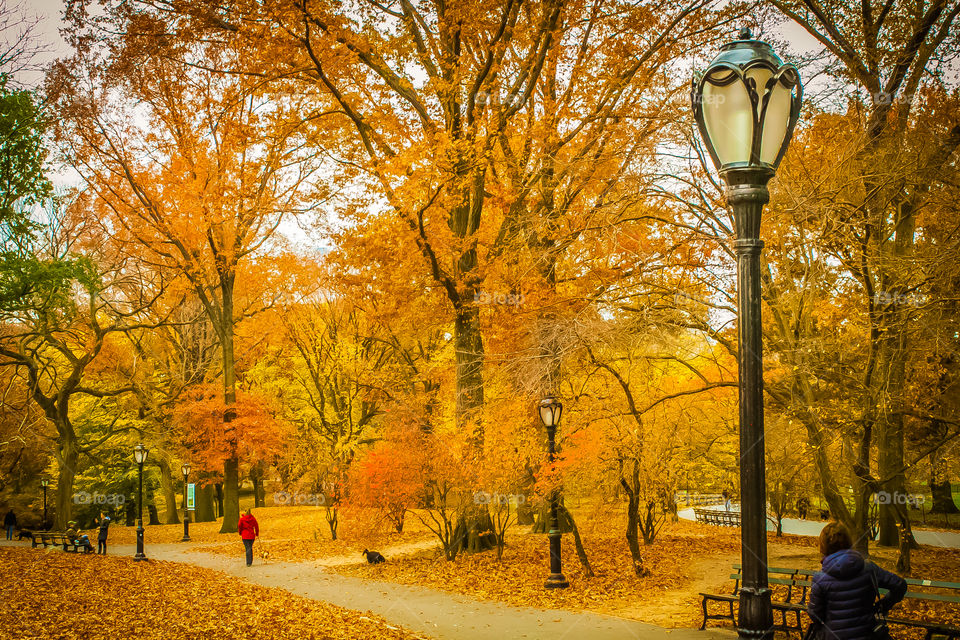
(686, 559)
(52, 594)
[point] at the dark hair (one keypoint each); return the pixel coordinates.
(834, 537)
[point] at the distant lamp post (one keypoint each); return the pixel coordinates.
(550, 411)
(44, 484)
(746, 104)
(186, 513)
(140, 456)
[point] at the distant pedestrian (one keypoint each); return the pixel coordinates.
(727, 505)
(249, 531)
(9, 522)
(802, 505)
(104, 522)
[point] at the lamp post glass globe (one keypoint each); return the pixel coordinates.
(140, 456)
(746, 104)
(550, 410)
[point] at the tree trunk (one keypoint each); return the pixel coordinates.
(171, 515)
(633, 520)
(230, 507)
(469, 367)
(69, 455)
(577, 542)
(154, 517)
(218, 493)
(204, 499)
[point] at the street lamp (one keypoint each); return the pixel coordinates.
(746, 104)
(140, 456)
(186, 514)
(550, 411)
(44, 483)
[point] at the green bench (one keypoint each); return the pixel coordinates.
(59, 539)
(789, 609)
(794, 604)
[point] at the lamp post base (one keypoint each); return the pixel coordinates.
(556, 581)
(140, 555)
(755, 620)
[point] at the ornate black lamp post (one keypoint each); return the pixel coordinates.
(186, 513)
(44, 484)
(140, 456)
(550, 411)
(746, 104)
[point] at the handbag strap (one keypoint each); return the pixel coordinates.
(876, 589)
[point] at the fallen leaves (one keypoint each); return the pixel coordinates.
(46, 594)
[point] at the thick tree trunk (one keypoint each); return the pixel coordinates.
(230, 509)
(171, 515)
(68, 458)
(469, 371)
(149, 496)
(204, 504)
(633, 520)
(942, 497)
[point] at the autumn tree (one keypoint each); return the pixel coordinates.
(199, 186)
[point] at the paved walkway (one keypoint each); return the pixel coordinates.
(797, 527)
(426, 612)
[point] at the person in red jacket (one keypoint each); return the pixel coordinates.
(249, 531)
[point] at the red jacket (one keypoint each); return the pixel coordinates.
(248, 527)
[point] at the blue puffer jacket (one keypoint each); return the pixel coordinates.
(842, 596)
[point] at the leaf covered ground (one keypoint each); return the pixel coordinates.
(47, 594)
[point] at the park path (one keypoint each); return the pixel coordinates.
(793, 526)
(426, 612)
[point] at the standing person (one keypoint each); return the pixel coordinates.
(9, 522)
(249, 531)
(104, 522)
(843, 597)
(727, 505)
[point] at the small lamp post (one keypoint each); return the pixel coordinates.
(186, 513)
(44, 483)
(550, 411)
(746, 104)
(140, 456)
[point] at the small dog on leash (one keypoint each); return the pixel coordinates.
(374, 557)
(25, 535)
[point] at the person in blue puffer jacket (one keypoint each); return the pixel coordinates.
(844, 593)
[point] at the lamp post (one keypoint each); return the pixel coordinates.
(44, 483)
(140, 456)
(746, 104)
(186, 514)
(550, 411)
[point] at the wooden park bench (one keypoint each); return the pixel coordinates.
(789, 599)
(60, 539)
(797, 584)
(719, 518)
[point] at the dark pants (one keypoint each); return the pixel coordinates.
(10, 532)
(248, 544)
(102, 546)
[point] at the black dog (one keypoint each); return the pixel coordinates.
(24, 534)
(374, 557)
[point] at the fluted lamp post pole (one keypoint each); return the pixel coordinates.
(140, 456)
(550, 410)
(746, 104)
(185, 468)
